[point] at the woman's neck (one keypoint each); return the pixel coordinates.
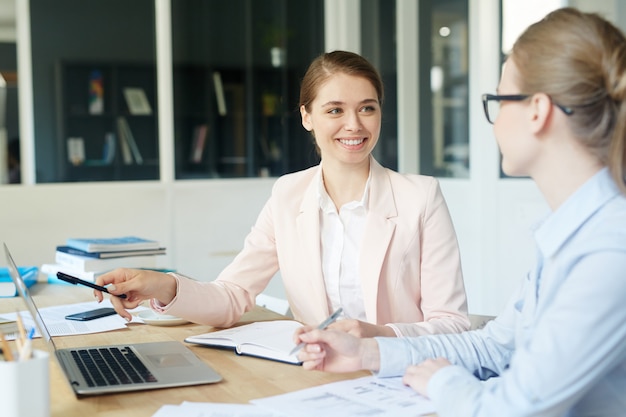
(559, 176)
(345, 183)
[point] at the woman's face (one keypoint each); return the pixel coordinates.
(511, 127)
(345, 118)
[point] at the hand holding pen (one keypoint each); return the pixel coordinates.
(78, 281)
(322, 326)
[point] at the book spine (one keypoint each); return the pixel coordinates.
(107, 255)
(52, 269)
(73, 251)
(95, 264)
(112, 244)
(78, 262)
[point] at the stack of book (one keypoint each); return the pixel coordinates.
(7, 287)
(88, 258)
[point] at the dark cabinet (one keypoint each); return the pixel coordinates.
(233, 122)
(107, 121)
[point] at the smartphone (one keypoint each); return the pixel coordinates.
(91, 314)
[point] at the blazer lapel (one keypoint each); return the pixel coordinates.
(308, 229)
(379, 229)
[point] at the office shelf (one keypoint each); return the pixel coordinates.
(78, 118)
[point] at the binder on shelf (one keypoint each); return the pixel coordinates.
(108, 150)
(127, 140)
(199, 140)
(219, 93)
(76, 151)
(96, 93)
(127, 156)
(137, 101)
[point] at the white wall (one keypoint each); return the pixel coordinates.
(202, 223)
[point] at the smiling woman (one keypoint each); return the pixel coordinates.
(347, 233)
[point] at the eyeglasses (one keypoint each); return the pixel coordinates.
(491, 104)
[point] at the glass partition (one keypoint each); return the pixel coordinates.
(237, 71)
(379, 47)
(443, 58)
(443, 75)
(94, 83)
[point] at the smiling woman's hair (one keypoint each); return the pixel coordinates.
(579, 60)
(337, 62)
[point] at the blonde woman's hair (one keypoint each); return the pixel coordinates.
(579, 60)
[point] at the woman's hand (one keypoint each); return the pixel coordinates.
(336, 351)
(138, 285)
(417, 376)
(362, 329)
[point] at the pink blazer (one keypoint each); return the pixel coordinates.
(410, 264)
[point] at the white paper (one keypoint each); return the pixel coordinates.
(368, 396)
(54, 319)
(194, 409)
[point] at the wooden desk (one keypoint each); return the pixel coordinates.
(244, 378)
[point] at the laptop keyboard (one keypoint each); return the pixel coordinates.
(111, 366)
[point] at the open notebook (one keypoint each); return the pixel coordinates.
(264, 339)
(128, 367)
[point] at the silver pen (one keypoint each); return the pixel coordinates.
(322, 326)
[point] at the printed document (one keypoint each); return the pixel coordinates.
(368, 396)
(54, 319)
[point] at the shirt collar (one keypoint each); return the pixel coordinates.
(558, 226)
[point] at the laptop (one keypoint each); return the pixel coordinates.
(127, 367)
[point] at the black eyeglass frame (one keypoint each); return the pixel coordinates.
(486, 98)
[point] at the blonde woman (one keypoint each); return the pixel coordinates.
(559, 347)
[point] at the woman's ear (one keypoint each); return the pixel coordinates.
(306, 119)
(541, 110)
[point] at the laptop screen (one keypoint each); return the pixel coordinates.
(30, 304)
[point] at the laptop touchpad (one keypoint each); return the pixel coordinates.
(167, 360)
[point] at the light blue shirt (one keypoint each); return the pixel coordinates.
(559, 347)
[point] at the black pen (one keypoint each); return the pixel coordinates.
(75, 281)
(322, 326)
